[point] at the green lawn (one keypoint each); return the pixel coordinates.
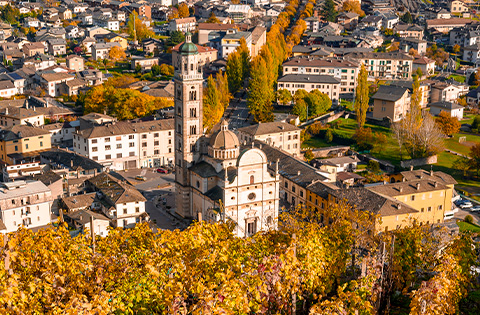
(464, 226)
(458, 78)
(316, 142)
(456, 146)
(347, 104)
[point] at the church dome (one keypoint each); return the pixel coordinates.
(188, 47)
(224, 144)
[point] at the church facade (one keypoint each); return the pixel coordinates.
(216, 178)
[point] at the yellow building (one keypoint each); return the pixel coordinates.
(23, 143)
(115, 38)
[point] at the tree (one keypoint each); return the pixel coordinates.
(394, 46)
(117, 53)
(176, 37)
(416, 98)
(222, 87)
(462, 164)
(456, 48)
(300, 109)
(364, 138)
(212, 19)
(309, 155)
(259, 98)
(328, 136)
(476, 123)
(155, 70)
(419, 73)
(318, 102)
(361, 97)
(449, 125)
(419, 137)
(140, 31)
(9, 14)
(234, 71)
(212, 108)
(284, 97)
(373, 166)
(167, 70)
(475, 157)
(183, 10)
(352, 6)
(407, 18)
(413, 52)
(328, 11)
(244, 57)
(300, 94)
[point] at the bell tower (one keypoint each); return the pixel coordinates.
(188, 81)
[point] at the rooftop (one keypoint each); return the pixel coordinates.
(268, 128)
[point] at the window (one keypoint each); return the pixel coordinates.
(429, 209)
(130, 137)
(251, 228)
(440, 207)
(119, 155)
(422, 210)
(286, 185)
(94, 141)
(131, 144)
(252, 179)
(119, 145)
(26, 146)
(144, 153)
(137, 209)
(107, 147)
(131, 154)
(156, 152)
(293, 188)
(144, 136)
(16, 148)
(169, 150)
(95, 158)
(94, 149)
(107, 139)
(144, 144)
(301, 193)
(412, 198)
(118, 138)
(108, 157)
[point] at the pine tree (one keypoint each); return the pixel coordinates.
(329, 13)
(259, 99)
(234, 72)
(361, 97)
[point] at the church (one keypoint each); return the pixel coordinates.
(217, 178)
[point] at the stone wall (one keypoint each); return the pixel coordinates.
(419, 162)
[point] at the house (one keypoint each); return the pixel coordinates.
(259, 38)
(449, 92)
(425, 64)
(61, 133)
(31, 22)
(210, 31)
(106, 22)
(57, 46)
(424, 89)
(457, 6)
(391, 65)
(152, 46)
(32, 49)
(231, 41)
(115, 38)
(75, 63)
(446, 25)
(409, 30)
(390, 102)
(73, 31)
(25, 203)
(120, 202)
(17, 80)
(419, 45)
(313, 23)
(345, 70)
(102, 51)
(22, 143)
(156, 145)
(451, 108)
(51, 82)
(142, 9)
(183, 25)
(21, 171)
(324, 83)
(471, 53)
(348, 20)
(371, 21)
(205, 55)
(39, 62)
(87, 44)
(337, 164)
(96, 30)
(281, 135)
(7, 89)
(145, 64)
(64, 13)
(83, 219)
(473, 97)
(13, 116)
(239, 12)
(73, 87)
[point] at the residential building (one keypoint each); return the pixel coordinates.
(472, 53)
(446, 25)
(145, 64)
(451, 108)
(23, 143)
(408, 30)
(21, 171)
(156, 142)
(344, 70)
(120, 202)
(231, 41)
(142, 9)
(259, 38)
(392, 65)
(102, 51)
(448, 92)
(57, 46)
(457, 6)
(183, 25)
(390, 102)
(32, 49)
(13, 116)
(106, 22)
(25, 203)
(115, 38)
(83, 219)
(419, 45)
(209, 31)
(239, 12)
(60, 133)
(313, 23)
(51, 82)
(326, 84)
(277, 134)
(425, 64)
(7, 89)
(75, 63)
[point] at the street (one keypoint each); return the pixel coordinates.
(238, 112)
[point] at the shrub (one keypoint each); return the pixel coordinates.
(328, 136)
(373, 166)
(468, 219)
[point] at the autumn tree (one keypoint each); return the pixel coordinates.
(259, 98)
(318, 102)
(183, 10)
(394, 46)
(117, 53)
(284, 97)
(361, 97)
(353, 6)
(244, 57)
(222, 87)
(234, 71)
(212, 108)
(416, 98)
(328, 11)
(474, 155)
(448, 124)
(328, 136)
(309, 155)
(364, 138)
(176, 37)
(456, 48)
(212, 19)
(166, 69)
(413, 52)
(140, 31)
(300, 94)
(300, 109)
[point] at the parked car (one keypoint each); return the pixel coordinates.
(475, 209)
(162, 170)
(466, 205)
(140, 178)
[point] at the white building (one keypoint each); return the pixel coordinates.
(451, 108)
(12, 172)
(326, 84)
(26, 203)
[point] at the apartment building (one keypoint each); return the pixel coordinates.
(391, 65)
(31, 49)
(277, 134)
(184, 25)
(231, 41)
(26, 203)
(326, 84)
(127, 145)
(52, 82)
(23, 143)
(345, 70)
(391, 102)
(11, 116)
(102, 50)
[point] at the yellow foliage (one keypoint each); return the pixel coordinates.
(117, 53)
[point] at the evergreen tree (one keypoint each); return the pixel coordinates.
(328, 12)
(361, 97)
(234, 72)
(259, 98)
(407, 18)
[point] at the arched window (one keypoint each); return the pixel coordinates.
(252, 179)
(193, 112)
(193, 130)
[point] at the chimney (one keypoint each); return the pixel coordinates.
(71, 163)
(431, 172)
(399, 206)
(411, 167)
(34, 109)
(400, 189)
(298, 173)
(418, 186)
(435, 184)
(6, 111)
